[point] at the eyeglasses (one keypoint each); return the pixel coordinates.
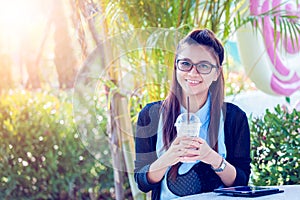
(202, 67)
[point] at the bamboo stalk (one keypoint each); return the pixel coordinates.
(127, 142)
(115, 147)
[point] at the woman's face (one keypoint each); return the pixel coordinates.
(192, 82)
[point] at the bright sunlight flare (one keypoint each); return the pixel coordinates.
(18, 17)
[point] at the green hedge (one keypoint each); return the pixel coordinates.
(276, 147)
(41, 154)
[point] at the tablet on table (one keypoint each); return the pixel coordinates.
(248, 191)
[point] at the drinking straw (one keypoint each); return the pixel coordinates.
(188, 109)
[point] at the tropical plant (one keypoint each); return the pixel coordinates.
(275, 141)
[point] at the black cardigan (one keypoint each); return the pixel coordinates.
(237, 142)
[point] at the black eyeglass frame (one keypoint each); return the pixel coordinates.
(196, 65)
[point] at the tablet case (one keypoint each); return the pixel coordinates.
(248, 191)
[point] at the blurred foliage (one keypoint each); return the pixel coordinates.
(275, 141)
(236, 82)
(41, 154)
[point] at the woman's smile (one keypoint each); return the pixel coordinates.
(193, 82)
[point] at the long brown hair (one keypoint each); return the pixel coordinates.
(171, 105)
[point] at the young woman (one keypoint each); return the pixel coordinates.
(172, 166)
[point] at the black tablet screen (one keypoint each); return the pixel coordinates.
(248, 191)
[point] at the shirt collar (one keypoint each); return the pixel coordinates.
(203, 112)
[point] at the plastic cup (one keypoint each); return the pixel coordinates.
(187, 127)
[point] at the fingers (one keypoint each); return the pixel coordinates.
(177, 140)
(190, 155)
(176, 149)
(185, 149)
(198, 139)
(180, 138)
(192, 152)
(190, 144)
(189, 139)
(188, 149)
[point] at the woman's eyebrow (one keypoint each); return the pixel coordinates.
(183, 58)
(187, 59)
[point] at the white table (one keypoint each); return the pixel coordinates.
(291, 192)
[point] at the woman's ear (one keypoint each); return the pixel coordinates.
(218, 72)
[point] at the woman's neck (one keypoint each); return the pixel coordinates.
(195, 102)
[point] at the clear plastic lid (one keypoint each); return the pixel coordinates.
(183, 118)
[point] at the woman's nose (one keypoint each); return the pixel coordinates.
(194, 70)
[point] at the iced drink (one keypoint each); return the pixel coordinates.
(187, 127)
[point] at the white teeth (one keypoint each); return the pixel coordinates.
(192, 81)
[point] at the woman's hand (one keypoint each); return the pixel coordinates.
(175, 153)
(197, 149)
(183, 149)
(177, 150)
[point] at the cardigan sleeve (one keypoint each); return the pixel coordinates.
(237, 140)
(145, 145)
